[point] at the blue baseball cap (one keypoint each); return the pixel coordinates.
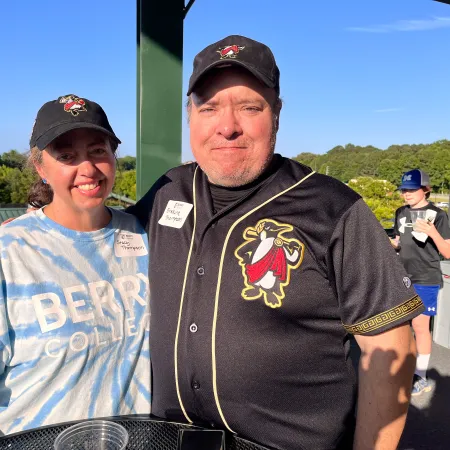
(415, 179)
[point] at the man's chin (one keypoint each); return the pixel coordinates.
(231, 180)
(234, 178)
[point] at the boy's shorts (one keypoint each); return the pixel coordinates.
(428, 295)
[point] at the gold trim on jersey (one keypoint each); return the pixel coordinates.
(386, 317)
(181, 302)
(219, 280)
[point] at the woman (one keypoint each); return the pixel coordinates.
(74, 289)
(419, 250)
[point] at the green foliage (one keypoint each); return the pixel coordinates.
(6, 175)
(20, 185)
(126, 163)
(125, 184)
(381, 197)
(350, 161)
(13, 159)
(15, 184)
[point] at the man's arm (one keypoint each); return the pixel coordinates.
(385, 379)
(142, 210)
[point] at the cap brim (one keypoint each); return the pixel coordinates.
(406, 186)
(226, 63)
(48, 137)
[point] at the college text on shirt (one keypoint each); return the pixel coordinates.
(108, 328)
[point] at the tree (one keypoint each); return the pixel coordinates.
(6, 173)
(15, 184)
(126, 184)
(20, 185)
(13, 159)
(352, 161)
(126, 163)
(381, 197)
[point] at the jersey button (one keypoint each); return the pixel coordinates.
(193, 328)
(196, 385)
(201, 271)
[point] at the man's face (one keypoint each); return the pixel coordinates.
(233, 125)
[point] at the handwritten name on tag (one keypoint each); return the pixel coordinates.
(129, 244)
(175, 214)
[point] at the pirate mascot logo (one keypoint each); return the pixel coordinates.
(73, 104)
(267, 257)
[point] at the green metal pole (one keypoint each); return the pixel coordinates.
(159, 84)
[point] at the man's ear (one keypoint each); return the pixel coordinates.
(277, 112)
(276, 123)
(279, 105)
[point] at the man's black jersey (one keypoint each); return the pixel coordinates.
(251, 307)
(421, 259)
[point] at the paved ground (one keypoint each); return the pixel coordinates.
(428, 423)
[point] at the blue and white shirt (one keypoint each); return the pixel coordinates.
(74, 322)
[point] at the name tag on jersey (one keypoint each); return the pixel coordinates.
(129, 244)
(175, 214)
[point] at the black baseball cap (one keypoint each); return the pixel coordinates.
(241, 51)
(65, 114)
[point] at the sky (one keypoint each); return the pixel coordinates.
(366, 72)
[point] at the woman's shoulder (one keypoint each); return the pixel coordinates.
(125, 221)
(23, 222)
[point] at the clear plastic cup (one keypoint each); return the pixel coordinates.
(93, 435)
(417, 215)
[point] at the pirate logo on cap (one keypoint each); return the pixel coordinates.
(230, 51)
(73, 104)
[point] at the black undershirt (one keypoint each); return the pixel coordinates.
(224, 196)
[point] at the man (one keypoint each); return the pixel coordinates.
(260, 271)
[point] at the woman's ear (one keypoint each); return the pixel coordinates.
(40, 170)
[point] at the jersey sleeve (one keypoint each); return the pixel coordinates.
(372, 287)
(5, 342)
(442, 225)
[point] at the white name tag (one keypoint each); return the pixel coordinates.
(175, 214)
(129, 244)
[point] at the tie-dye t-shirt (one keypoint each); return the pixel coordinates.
(74, 322)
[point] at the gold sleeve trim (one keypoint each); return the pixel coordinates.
(387, 317)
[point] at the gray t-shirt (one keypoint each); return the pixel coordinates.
(421, 259)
